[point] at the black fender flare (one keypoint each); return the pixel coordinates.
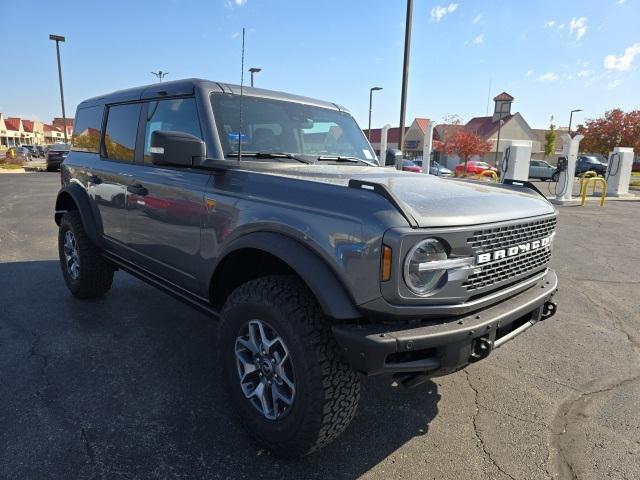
(328, 289)
(90, 220)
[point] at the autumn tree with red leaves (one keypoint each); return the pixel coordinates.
(464, 145)
(615, 129)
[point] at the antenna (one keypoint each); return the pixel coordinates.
(241, 93)
(488, 97)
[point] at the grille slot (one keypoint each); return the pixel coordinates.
(498, 238)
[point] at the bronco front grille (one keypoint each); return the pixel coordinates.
(509, 235)
(497, 238)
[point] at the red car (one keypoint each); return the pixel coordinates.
(409, 166)
(473, 168)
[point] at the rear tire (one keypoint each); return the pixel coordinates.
(326, 389)
(555, 176)
(86, 273)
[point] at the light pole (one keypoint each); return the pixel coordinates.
(160, 74)
(405, 76)
(58, 39)
(498, 142)
(571, 118)
(254, 70)
(371, 90)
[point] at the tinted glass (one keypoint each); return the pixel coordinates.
(276, 126)
(178, 115)
(121, 131)
(86, 129)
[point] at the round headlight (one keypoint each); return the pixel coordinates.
(419, 276)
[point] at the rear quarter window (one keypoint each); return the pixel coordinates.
(86, 130)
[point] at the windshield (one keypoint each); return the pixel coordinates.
(275, 126)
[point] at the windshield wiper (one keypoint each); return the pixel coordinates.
(340, 158)
(268, 155)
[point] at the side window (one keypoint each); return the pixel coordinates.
(178, 115)
(121, 131)
(86, 130)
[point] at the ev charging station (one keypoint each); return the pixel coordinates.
(619, 172)
(516, 159)
(567, 168)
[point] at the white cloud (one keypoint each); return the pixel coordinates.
(614, 83)
(438, 12)
(620, 2)
(549, 24)
(584, 73)
(477, 19)
(547, 77)
(578, 26)
(235, 34)
(624, 61)
(529, 73)
(479, 40)
(238, 3)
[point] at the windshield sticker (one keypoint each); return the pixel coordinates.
(233, 137)
(367, 154)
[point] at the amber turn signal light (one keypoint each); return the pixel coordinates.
(385, 264)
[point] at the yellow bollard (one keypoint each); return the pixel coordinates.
(585, 186)
(482, 175)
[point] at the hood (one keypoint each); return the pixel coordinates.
(431, 200)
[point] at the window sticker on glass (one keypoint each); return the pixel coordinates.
(233, 137)
(367, 154)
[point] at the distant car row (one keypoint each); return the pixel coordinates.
(538, 169)
(54, 154)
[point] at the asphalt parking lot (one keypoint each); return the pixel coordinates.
(127, 386)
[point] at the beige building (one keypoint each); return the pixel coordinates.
(15, 131)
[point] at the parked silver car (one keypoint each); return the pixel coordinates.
(541, 170)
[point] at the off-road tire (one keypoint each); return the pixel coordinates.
(95, 273)
(327, 388)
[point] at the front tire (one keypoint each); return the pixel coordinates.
(86, 273)
(275, 338)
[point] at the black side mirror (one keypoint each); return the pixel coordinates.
(175, 148)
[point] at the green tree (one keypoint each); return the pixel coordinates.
(550, 139)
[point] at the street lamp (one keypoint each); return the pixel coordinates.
(498, 142)
(571, 118)
(371, 90)
(254, 70)
(405, 76)
(58, 39)
(160, 74)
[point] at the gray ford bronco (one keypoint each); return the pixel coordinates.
(270, 213)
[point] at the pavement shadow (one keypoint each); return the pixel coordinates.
(128, 387)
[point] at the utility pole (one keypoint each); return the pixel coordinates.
(254, 70)
(405, 76)
(160, 74)
(58, 39)
(371, 90)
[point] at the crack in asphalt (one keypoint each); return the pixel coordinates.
(44, 359)
(476, 429)
(572, 410)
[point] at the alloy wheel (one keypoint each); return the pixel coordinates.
(71, 254)
(265, 370)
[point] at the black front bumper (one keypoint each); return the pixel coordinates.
(442, 346)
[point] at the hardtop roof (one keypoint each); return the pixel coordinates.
(188, 87)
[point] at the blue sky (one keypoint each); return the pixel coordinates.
(551, 56)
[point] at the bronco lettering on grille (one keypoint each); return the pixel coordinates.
(513, 251)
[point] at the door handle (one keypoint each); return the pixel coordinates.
(95, 179)
(137, 189)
